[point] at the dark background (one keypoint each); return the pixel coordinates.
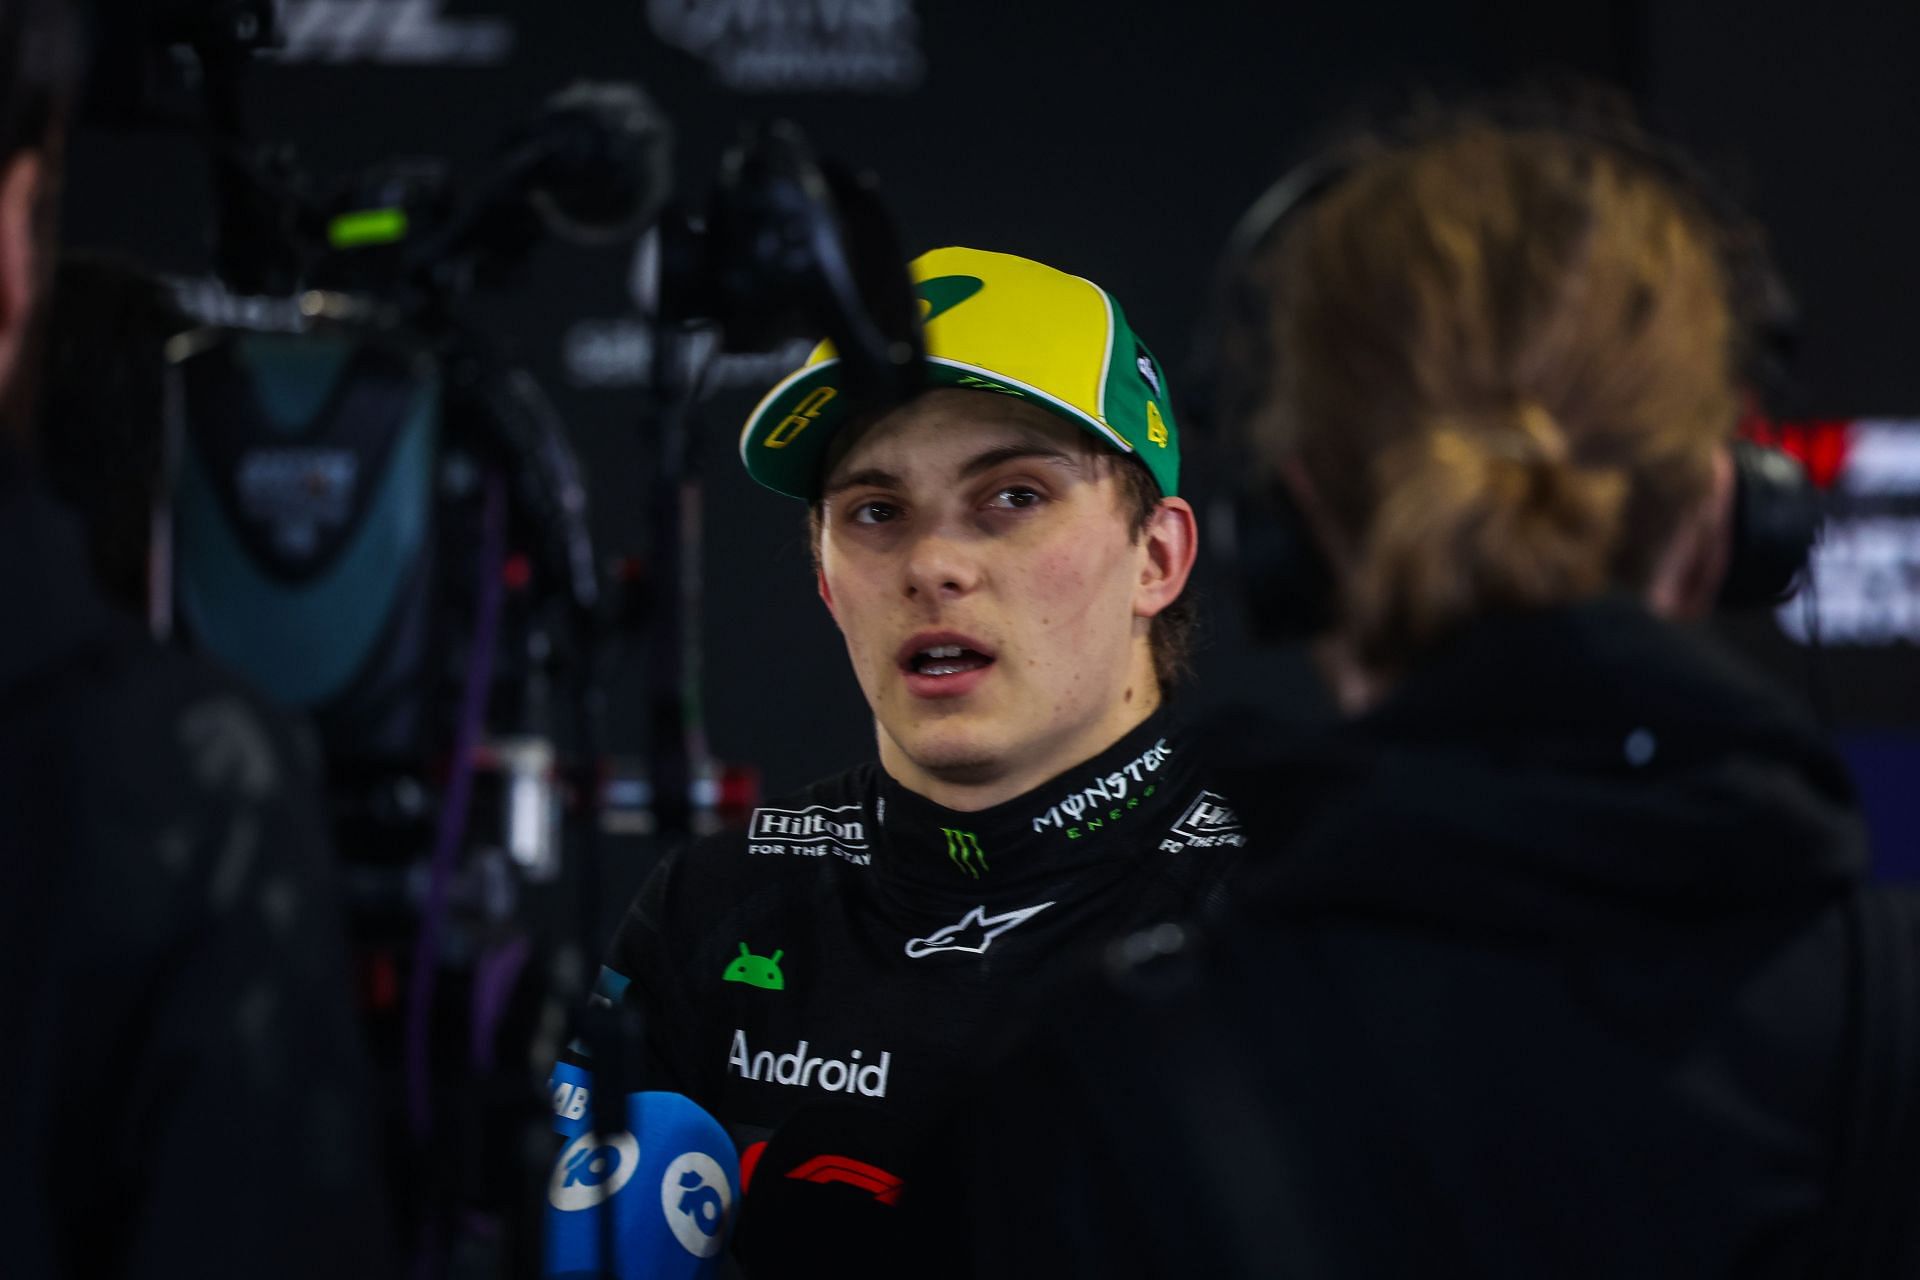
(1118, 141)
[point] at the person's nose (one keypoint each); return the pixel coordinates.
(942, 562)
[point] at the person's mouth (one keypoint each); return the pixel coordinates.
(944, 663)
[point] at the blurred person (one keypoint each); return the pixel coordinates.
(1005, 556)
(180, 1085)
(1559, 958)
(104, 383)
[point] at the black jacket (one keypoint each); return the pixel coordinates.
(827, 978)
(1550, 970)
(181, 1091)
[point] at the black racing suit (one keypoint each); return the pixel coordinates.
(846, 959)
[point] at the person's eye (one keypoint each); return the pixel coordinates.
(1016, 497)
(873, 511)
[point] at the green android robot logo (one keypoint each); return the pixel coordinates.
(756, 971)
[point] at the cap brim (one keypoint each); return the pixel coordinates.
(796, 464)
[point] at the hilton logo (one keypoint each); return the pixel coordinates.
(1207, 823)
(841, 824)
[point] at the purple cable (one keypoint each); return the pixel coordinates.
(451, 829)
(493, 981)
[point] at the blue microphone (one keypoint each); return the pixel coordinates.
(671, 1183)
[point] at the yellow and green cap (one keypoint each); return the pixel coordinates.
(998, 323)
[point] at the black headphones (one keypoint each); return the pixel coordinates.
(1288, 586)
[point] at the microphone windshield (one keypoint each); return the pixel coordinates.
(606, 169)
(671, 1183)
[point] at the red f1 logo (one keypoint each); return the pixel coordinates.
(882, 1185)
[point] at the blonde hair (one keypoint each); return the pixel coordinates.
(1504, 358)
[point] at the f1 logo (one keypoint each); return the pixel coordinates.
(871, 1178)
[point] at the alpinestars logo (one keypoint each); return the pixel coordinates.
(1106, 799)
(975, 932)
(409, 32)
(801, 1069)
(1207, 824)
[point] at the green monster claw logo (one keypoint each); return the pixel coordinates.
(964, 848)
(756, 971)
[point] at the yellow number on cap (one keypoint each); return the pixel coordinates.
(1156, 425)
(801, 418)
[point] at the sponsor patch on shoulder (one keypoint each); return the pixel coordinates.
(1106, 799)
(1148, 374)
(1207, 823)
(813, 832)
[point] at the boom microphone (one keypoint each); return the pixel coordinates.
(671, 1183)
(594, 166)
(600, 161)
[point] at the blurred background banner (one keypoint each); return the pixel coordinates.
(1119, 141)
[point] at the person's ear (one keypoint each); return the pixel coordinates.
(1687, 576)
(21, 270)
(1171, 541)
(826, 592)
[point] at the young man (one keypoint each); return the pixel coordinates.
(181, 1091)
(1005, 556)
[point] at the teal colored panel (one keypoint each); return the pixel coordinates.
(302, 643)
(292, 376)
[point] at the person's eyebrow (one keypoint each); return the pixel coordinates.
(979, 463)
(1013, 453)
(854, 479)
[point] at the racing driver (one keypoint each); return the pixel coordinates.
(1005, 556)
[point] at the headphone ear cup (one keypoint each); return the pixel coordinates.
(1285, 580)
(1776, 517)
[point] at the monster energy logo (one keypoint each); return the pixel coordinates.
(964, 848)
(1106, 798)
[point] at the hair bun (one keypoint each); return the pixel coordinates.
(1486, 512)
